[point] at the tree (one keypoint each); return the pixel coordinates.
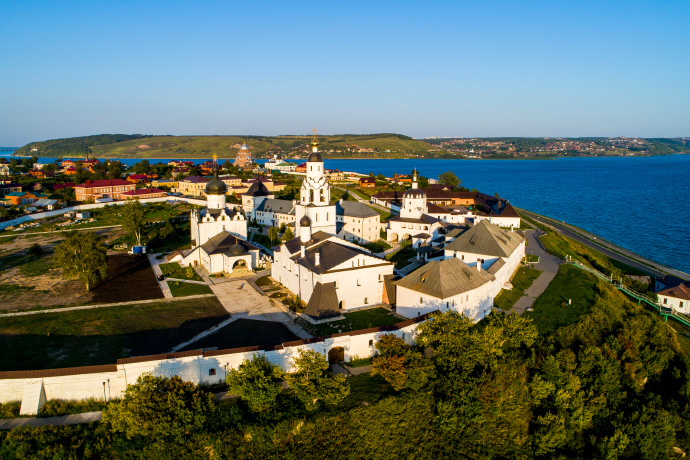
(82, 256)
(273, 234)
(133, 219)
(312, 383)
(400, 365)
(449, 179)
(288, 235)
(161, 407)
(142, 167)
(381, 177)
(114, 169)
(257, 381)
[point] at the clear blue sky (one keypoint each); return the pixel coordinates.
(483, 68)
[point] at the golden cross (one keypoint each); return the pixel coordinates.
(215, 157)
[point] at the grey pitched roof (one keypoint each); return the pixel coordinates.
(222, 242)
(487, 239)
(425, 219)
(332, 254)
(445, 278)
(354, 209)
(294, 244)
(276, 205)
(323, 301)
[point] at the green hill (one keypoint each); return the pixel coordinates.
(141, 146)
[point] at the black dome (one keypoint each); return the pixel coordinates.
(305, 221)
(315, 156)
(216, 187)
(258, 189)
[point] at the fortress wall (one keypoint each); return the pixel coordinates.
(196, 366)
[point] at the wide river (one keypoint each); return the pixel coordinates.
(640, 203)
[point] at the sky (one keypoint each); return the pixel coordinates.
(457, 68)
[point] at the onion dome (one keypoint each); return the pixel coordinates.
(258, 189)
(236, 250)
(305, 221)
(315, 156)
(216, 187)
(244, 147)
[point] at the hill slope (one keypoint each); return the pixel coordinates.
(139, 146)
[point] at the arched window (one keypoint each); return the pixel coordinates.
(311, 196)
(323, 197)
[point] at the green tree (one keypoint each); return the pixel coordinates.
(381, 177)
(288, 235)
(161, 407)
(114, 170)
(82, 256)
(273, 234)
(400, 365)
(449, 179)
(313, 383)
(257, 381)
(133, 219)
(142, 167)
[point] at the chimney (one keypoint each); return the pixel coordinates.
(317, 258)
(479, 266)
(303, 251)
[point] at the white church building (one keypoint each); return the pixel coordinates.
(327, 272)
(219, 234)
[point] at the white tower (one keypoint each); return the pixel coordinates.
(414, 201)
(315, 194)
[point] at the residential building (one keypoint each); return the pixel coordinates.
(367, 182)
(7, 187)
(106, 188)
(21, 198)
(192, 185)
(675, 294)
(141, 193)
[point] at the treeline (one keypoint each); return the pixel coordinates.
(612, 383)
(74, 146)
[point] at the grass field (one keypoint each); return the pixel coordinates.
(101, 336)
(551, 309)
(522, 280)
(244, 333)
(173, 270)
(401, 258)
(363, 319)
(182, 289)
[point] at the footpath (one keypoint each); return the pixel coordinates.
(606, 247)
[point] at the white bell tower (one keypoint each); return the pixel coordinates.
(315, 194)
(414, 201)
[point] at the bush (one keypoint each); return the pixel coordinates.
(257, 381)
(35, 250)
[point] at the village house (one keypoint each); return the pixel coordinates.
(7, 186)
(20, 198)
(367, 182)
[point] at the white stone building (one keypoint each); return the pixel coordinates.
(343, 275)
(413, 222)
(445, 285)
(676, 297)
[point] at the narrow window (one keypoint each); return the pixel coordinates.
(212, 371)
(420, 301)
(366, 300)
(371, 343)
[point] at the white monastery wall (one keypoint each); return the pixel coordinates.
(193, 366)
(475, 304)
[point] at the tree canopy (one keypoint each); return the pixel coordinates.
(83, 255)
(133, 219)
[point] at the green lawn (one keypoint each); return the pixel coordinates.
(531, 259)
(363, 319)
(551, 309)
(522, 280)
(401, 257)
(182, 289)
(102, 335)
(173, 270)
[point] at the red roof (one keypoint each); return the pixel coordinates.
(65, 185)
(143, 191)
(104, 183)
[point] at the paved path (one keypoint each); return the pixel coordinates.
(244, 300)
(606, 247)
(104, 305)
(548, 264)
(73, 419)
(157, 271)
